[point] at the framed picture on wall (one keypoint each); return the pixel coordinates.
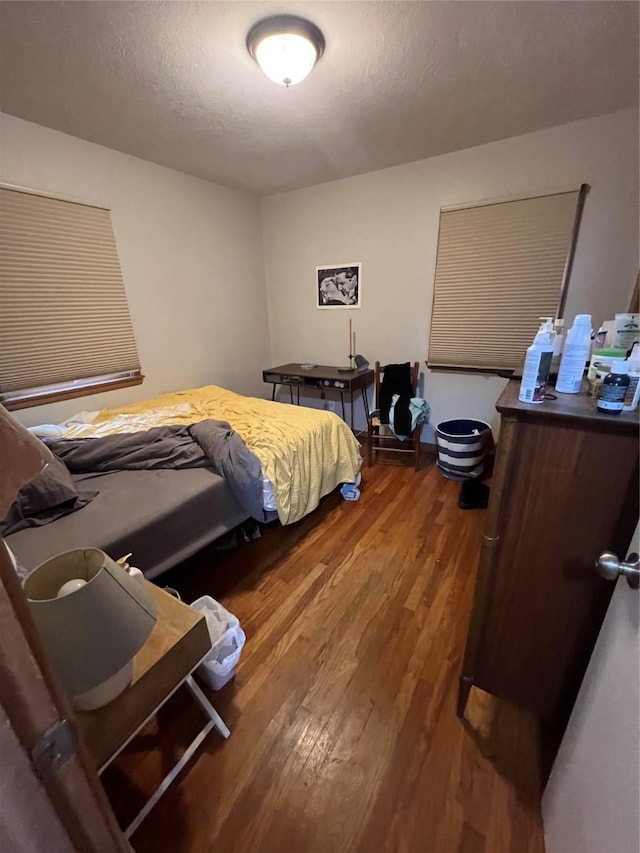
(339, 286)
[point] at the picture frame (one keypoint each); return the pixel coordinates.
(339, 286)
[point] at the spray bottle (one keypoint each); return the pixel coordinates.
(537, 364)
(575, 356)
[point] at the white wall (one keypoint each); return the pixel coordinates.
(193, 265)
(388, 220)
(191, 257)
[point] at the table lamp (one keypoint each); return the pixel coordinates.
(93, 618)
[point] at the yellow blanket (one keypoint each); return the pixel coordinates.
(305, 453)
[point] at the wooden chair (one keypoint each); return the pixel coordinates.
(387, 442)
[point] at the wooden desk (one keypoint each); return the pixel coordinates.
(321, 378)
(176, 646)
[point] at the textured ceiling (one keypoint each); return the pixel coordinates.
(173, 83)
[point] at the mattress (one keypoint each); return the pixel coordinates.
(304, 453)
(161, 516)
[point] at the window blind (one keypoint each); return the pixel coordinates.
(500, 266)
(64, 317)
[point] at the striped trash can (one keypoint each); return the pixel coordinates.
(462, 445)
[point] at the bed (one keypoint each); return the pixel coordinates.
(164, 515)
(304, 453)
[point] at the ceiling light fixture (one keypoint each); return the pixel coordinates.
(285, 47)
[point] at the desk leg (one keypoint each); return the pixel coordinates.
(291, 393)
(215, 722)
(208, 708)
(273, 393)
(351, 392)
(298, 391)
(342, 401)
(168, 779)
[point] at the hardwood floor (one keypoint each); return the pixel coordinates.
(344, 734)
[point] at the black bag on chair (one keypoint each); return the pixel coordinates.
(396, 380)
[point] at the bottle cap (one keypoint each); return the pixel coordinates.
(620, 367)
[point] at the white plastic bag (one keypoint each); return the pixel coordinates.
(227, 641)
(218, 618)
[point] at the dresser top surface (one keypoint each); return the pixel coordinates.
(580, 407)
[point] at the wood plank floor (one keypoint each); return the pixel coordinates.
(344, 734)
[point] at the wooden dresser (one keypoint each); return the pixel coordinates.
(565, 489)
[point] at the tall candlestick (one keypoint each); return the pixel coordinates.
(350, 336)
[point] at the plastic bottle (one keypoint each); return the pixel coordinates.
(633, 391)
(558, 343)
(576, 353)
(600, 365)
(613, 390)
(537, 364)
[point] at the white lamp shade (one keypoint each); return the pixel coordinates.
(95, 631)
(286, 58)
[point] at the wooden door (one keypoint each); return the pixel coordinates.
(591, 802)
(66, 805)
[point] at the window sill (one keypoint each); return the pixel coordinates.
(502, 372)
(45, 397)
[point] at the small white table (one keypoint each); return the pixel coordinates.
(177, 645)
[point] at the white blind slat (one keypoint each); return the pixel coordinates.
(499, 268)
(64, 315)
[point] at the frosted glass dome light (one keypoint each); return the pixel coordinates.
(286, 59)
(286, 48)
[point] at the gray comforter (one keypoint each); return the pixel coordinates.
(211, 444)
